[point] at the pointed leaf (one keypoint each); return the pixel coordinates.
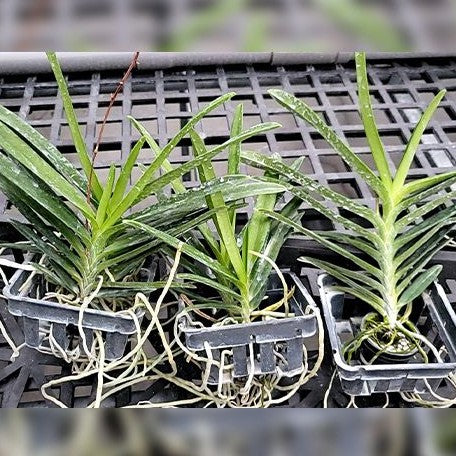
(327, 243)
(427, 187)
(73, 124)
(125, 173)
(310, 185)
(44, 147)
(187, 249)
(420, 284)
(22, 152)
(234, 155)
(367, 115)
(66, 269)
(222, 217)
(35, 189)
(441, 218)
(419, 264)
(360, 293)
(407, 253)
(298, 107)
(210, 283)
(106, 196)
(345, 275)
(423, 210)
(414, 141)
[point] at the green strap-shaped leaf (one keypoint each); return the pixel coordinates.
(40, 193)
(210, 283)
(106, 196)
(145, 187)
(176, 184)
(440, 218)
(235, 149)
(418, 265)
(156, 185)
(367, 116)
(342, 273)
(74, 126)
(44, 147)
(353, 241)
(187, 249)
(259, 227)
(278, 167)
(327, 243)
(221, 217)
(48, 250)
(246, 134)
(298, 107)
(423, 210)
(129, 243)
(234, 154)
(279, 232)
(423, 255)
(125, 173)
(432, 189)
(417, 244)
(414, 141)
(22, 152)
(58, 243)
(184, 131)
(138, 242)
(362, 294)
(233, 188)
(333, 216)
(30, 208)
(56, 275)
(419, 285)
(352, 279)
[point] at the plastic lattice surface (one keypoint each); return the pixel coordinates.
(164, 100)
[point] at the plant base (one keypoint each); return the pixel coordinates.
(273, 345)
(374, 352)
(42, 317)
(436, 321)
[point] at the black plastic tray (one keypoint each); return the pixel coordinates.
(437, 321)
(287, 335)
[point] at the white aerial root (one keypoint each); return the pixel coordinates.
(136, 367)
(129, 362)
(4, 332)
(256, 391)
(415, 398)
(439, 401)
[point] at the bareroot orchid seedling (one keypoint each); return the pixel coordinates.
(236, 266)
(387, 260)
(76, 221)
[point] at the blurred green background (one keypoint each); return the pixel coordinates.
(228, 25)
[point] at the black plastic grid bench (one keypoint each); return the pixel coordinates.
(164, 100)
